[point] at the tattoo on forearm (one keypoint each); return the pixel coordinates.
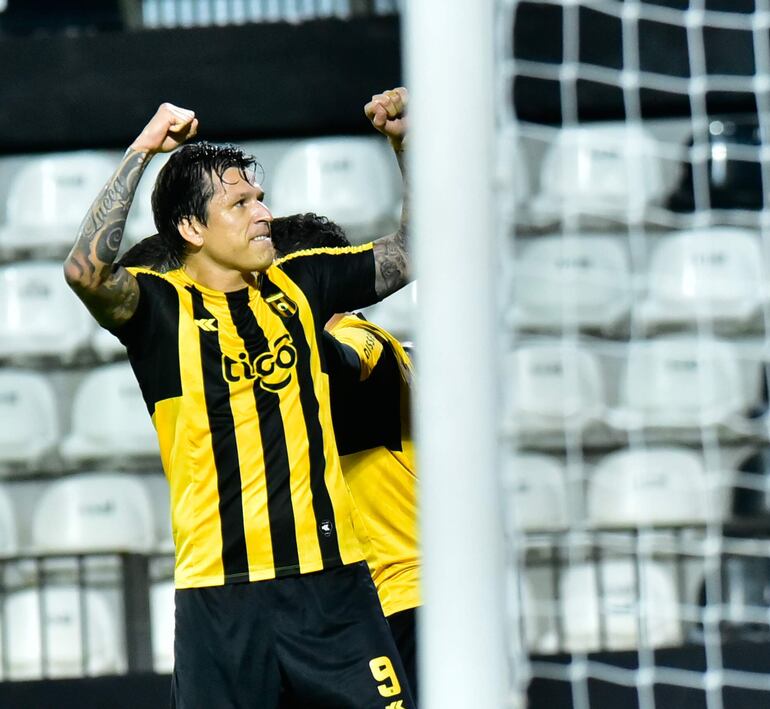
(102, 229)
(110, 293)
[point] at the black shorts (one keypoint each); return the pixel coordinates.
(317, 641)
(403, 626)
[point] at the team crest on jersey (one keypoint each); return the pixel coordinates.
(281, 304)
(271, 369)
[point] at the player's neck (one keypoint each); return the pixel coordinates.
(215, 276)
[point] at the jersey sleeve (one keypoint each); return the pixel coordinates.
(335, 280)
(366, 346)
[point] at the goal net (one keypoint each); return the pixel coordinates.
(632, 145)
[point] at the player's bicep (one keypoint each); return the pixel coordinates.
(112, 302)
(391, 263)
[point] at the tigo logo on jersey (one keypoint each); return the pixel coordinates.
(271, 369)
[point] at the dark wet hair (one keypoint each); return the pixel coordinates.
(151, 252)
(305, 231)
(185, 187)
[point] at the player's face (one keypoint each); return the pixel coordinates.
(237, 232)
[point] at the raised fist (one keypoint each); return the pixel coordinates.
(167, 130)
(387, 112)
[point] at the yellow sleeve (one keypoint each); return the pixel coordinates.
(365, 344)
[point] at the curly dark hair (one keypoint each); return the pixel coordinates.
(185, 186)
(305, 231)
(150, 252)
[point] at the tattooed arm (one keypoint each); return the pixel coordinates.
(110, 292)
(387, 112)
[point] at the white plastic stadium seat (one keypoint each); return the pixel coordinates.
(162, 624)
(396, 313)
(715, 273)
(553, 387)
(30, 422)
(663, 486)
(9, 533)
(581, 281)
(581, 596)
(64, 634)
(602, 170)
(94, 512)
(109, 417)
(536, 492)
(106, 345)
(49, 197)
(347, 180)
(680, 383)
(140, 222)
(39, 314)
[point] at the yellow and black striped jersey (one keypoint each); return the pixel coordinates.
(372, 424)
(237, 389)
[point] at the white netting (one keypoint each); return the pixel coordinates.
(633, 142)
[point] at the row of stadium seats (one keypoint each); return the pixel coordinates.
(40, 317)
(109, 419)
(351, 180)
(633, 487)
(626, 173)
(606, 170)
(80, 633)
(621, 602)
(586, 281)
(94, 512)
(670, 383)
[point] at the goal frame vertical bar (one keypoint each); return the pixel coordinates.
(449, 59)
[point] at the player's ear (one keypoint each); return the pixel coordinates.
(190, 230)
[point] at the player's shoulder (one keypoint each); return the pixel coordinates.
(307, 255)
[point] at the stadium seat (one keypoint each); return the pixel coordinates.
(538, 609)
(571, 281)
(554, 387)
(617, 599)
(655, 486)
(49, 197)
(713, 274)
(397, 313)
(109, 418)
(162, 624)
(39, 315)
(140, 222)
(680, 383)
(9, 533)
(94, 512)
(348, 180)
(63, 629)
(606, 170)
(30, 427)
(536, 491)
(106, 346)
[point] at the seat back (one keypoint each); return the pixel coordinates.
(572, 281)
(347, 180)
(122, 427)
(74, 645)
(49, 197)
(94, 512)
(30, 419)
(39, 315)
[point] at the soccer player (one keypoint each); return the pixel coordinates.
(370, 376)
(273, 593)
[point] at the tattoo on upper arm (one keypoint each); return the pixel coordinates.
(111, 294)
(391, 262)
